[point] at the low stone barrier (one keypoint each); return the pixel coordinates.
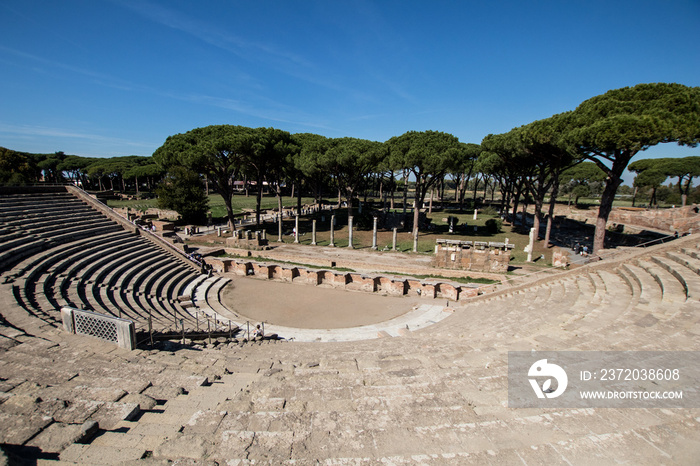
(107, 328)
(350, 281)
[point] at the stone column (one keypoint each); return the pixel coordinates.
(279, 227)
(374, 234)
(264, 235)
(350, 233)
(393, 248)
(332, 244)
(531, 245)
(296, 229)
(218, 231)
(313, 232)
(475, 213)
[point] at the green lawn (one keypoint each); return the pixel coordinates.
(240, 202)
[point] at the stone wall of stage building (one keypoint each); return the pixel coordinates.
(477, 256)
(388, 285)
(679, 219)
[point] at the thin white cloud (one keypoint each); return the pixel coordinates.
(101, 78)
(33, 131)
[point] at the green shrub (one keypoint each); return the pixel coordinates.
(493, 225)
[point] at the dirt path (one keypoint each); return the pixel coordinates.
(306, 306)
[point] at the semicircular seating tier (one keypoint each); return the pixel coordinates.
(435, 396)
(57, 250)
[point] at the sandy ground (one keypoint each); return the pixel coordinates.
(306, 306)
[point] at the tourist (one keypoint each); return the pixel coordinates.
(258, 335)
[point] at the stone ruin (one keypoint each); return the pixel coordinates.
(388, 285)
(479, 256)
(247, 239)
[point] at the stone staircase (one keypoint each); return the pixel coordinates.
(437, 395)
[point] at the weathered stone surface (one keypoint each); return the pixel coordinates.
(16, 429)
(203, 422)
(145, 402)
(183, 446)
(56, 437)
(110, 413)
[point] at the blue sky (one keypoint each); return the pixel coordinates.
(110, 78)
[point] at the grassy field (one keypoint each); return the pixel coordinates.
(240, 203)
(470, 229)
(475, 230)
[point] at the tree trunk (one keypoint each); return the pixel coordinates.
(634, 196)
(299, 195)
(349, 196)
(405, 190)
(381, 191)
(606, 200)
(418, 204)
(229, 212)
(392, 191)
(550, 215)
(279, 217)
(258, 202)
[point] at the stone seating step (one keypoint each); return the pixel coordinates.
(17, 240)
(75, 228)
(50, 258)
(188, 292)
(685, 273)
(154, 284)
(672, 289)
(114, 264)
(650, 291)
(154, 269)
(686, 260)
(39, 208)
(18, 252)
(120, 275)
(61, 222)
(89, 262)
(692, 252)
(213, 300)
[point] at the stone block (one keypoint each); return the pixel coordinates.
(391, 287)
(262, 270)
(447, 291)
(56, 437)
(360, 283)
(183, 446)
(111, 413)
